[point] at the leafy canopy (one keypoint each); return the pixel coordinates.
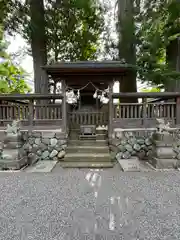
(73, 27)
(159, 26)
(11, 76)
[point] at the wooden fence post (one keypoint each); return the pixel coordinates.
(178, 110)
(31, 113)
(144, 115)
(64, 109)
(110, 127)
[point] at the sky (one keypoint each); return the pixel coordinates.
(17, 43)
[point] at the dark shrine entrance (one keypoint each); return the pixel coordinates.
(88, 111)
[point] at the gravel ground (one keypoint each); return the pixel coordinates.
(88, 204)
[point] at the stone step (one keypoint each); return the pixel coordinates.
(87, 137)
(87, 142)
(95, 137)
(101, 131)
(87, 149)
(87, 157)
(87, 164)
(101, 136)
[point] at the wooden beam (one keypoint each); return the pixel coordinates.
(146, 95)
(178, 111)
(110, 129)
(31, 114)
(64, 105)
(34, 96)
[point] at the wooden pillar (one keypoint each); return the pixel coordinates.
(110, 127)
(178, 85)
(64, 109)
(144, 113)
(31, 114)
(178, 111)
(79, 102)
(97, 101)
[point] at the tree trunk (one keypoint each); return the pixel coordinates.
(172, 58)
(127, 47)
(38, 45)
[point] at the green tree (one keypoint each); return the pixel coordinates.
(157, 42)
(61, 30)
(127, 41)
(73, 30)
(11, 76)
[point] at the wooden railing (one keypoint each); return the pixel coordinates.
(30, 112)
(144, 114)
(48, 112)
(21, 112)
(9, 112)
(149, 110)
(87, 118)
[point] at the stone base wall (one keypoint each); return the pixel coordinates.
(127, 144)
(44, 146)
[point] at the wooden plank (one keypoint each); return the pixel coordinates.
(146, 95)
(110, 129)
(31, 113)
(144, 111)
(178, 110)
(64, 110)
(34, 96)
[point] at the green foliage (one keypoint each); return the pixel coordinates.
(11, 76)
(73, 30)
(159, 25)
(73, 27)
(153, 89)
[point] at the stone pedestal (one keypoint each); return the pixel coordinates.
(13, 157)
(163, 154)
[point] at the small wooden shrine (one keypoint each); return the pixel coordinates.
(91, 82)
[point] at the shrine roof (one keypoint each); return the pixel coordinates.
(88, 67)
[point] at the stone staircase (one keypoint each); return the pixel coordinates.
(90, 151)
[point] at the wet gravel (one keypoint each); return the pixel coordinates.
(88, 204)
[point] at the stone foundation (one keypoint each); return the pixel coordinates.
(44, 146)
(26, 148)
(126, 144)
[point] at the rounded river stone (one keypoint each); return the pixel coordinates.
(53, 142)
(45, 141)
(126, 155)
(37, 141)
(39, 152)
(148, 141)
(132, 141)
(137, 147)
(140, 141)
(61, 154)
(123, 142)
(31, 141)
(53, 153)
(129, 148)
(45, 154)
(43, 146)
(121, 148)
